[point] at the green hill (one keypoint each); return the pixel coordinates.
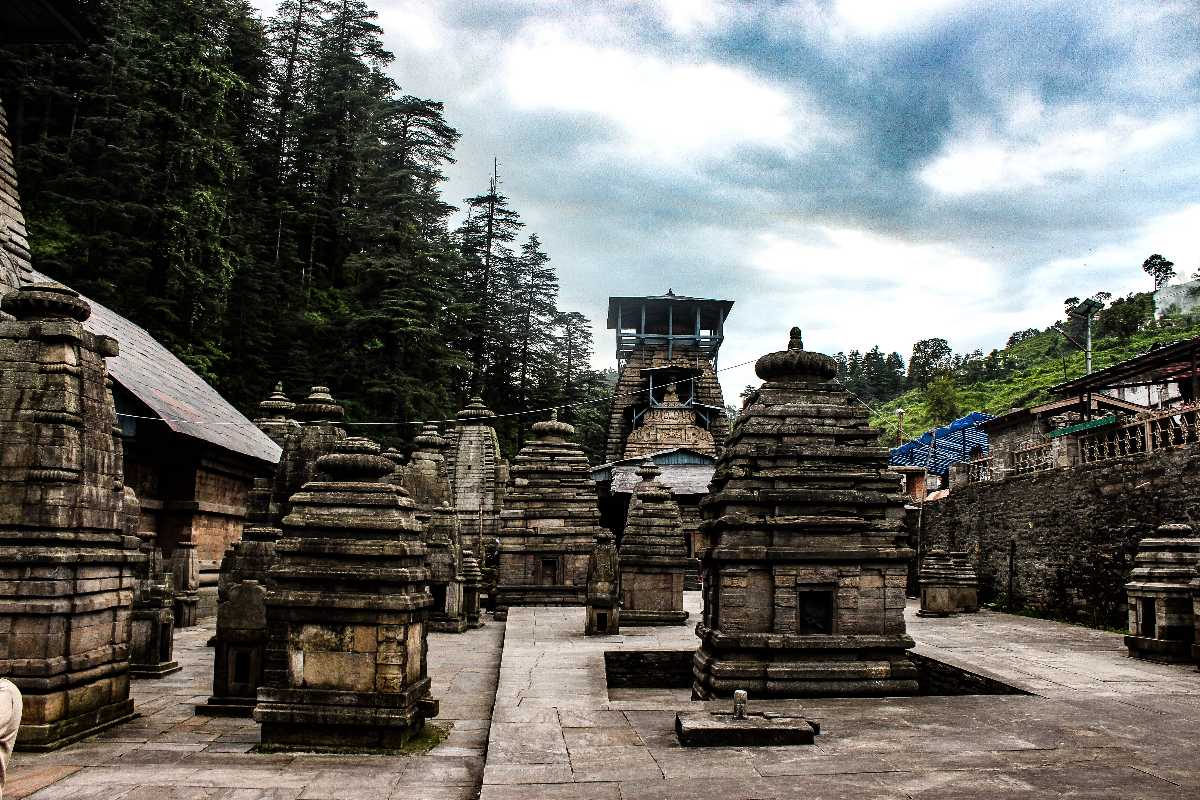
(1037, 363)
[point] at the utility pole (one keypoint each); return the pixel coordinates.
(900, 429)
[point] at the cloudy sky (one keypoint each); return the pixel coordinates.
(874, 172)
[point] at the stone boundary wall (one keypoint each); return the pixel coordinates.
(1073, 530)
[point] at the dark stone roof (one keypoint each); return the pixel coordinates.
(184, 401)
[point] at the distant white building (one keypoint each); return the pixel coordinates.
(1177, 298)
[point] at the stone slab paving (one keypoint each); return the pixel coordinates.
(1099, 724)
(169, 753)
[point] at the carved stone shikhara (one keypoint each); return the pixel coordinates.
(804, 567)
(241, 637)
(603, 588)
(347, 613)
(654, 559)
(472, 581)
(426, 479)
(666, 425)
(1161, 622)
(320, 430)
(478, 474)
(277, 419)
(68, 570)
(549, 524)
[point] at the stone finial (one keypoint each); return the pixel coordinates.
(430, 439)
(277, 405)
(475, 411)
(319, 405)
(395, 456)
(46, 301)
(795, 363)
(355, 458)
(648, 471)
(552, 428)
(739, 703)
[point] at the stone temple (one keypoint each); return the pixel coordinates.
(654, 556)
(347, 613)
(478, 474)
(804, 568)
(549, 524)
(68, 570)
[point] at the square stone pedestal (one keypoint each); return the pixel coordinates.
(718, 726)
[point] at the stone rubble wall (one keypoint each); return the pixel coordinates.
(1075, 530)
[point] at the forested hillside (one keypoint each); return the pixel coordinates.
(940, 385)
(263, 198)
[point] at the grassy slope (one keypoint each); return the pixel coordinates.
(1029, 384)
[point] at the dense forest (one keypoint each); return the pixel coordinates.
(266, 201)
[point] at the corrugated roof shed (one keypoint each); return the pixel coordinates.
(684, 471)
(184, 401)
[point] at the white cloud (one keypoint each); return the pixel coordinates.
(666, 110)
(1033, 147)
(689, 17)
(886, 17)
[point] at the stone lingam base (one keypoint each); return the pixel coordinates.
(720, 726)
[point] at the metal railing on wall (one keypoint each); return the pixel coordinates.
(1160, 430)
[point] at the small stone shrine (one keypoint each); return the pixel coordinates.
(939, 585)
(966, 583)
(550, 523)
(472, 581)
(68, 571)
(276, 420)
(1161, 622)
(241, 637)
(347, 613)
(320, 429)
(478, 474)
(654, 557)
(428, 484)
(603, 588)
(804, 570)
(152, 630)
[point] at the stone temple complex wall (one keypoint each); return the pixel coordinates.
(1066, 536)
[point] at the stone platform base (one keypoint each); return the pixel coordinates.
(316, 727)
(636, 617)
(448, 625)
(42, 738)
(756, 729)
(160, 670)
(227, 707)
(818, 665)
(1169, 650)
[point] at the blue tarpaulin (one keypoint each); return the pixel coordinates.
(954, 442)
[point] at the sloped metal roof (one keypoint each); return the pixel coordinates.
(679, 478)
(180, 397)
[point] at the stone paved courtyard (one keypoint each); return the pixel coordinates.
(169, 753)
(1097, 725)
